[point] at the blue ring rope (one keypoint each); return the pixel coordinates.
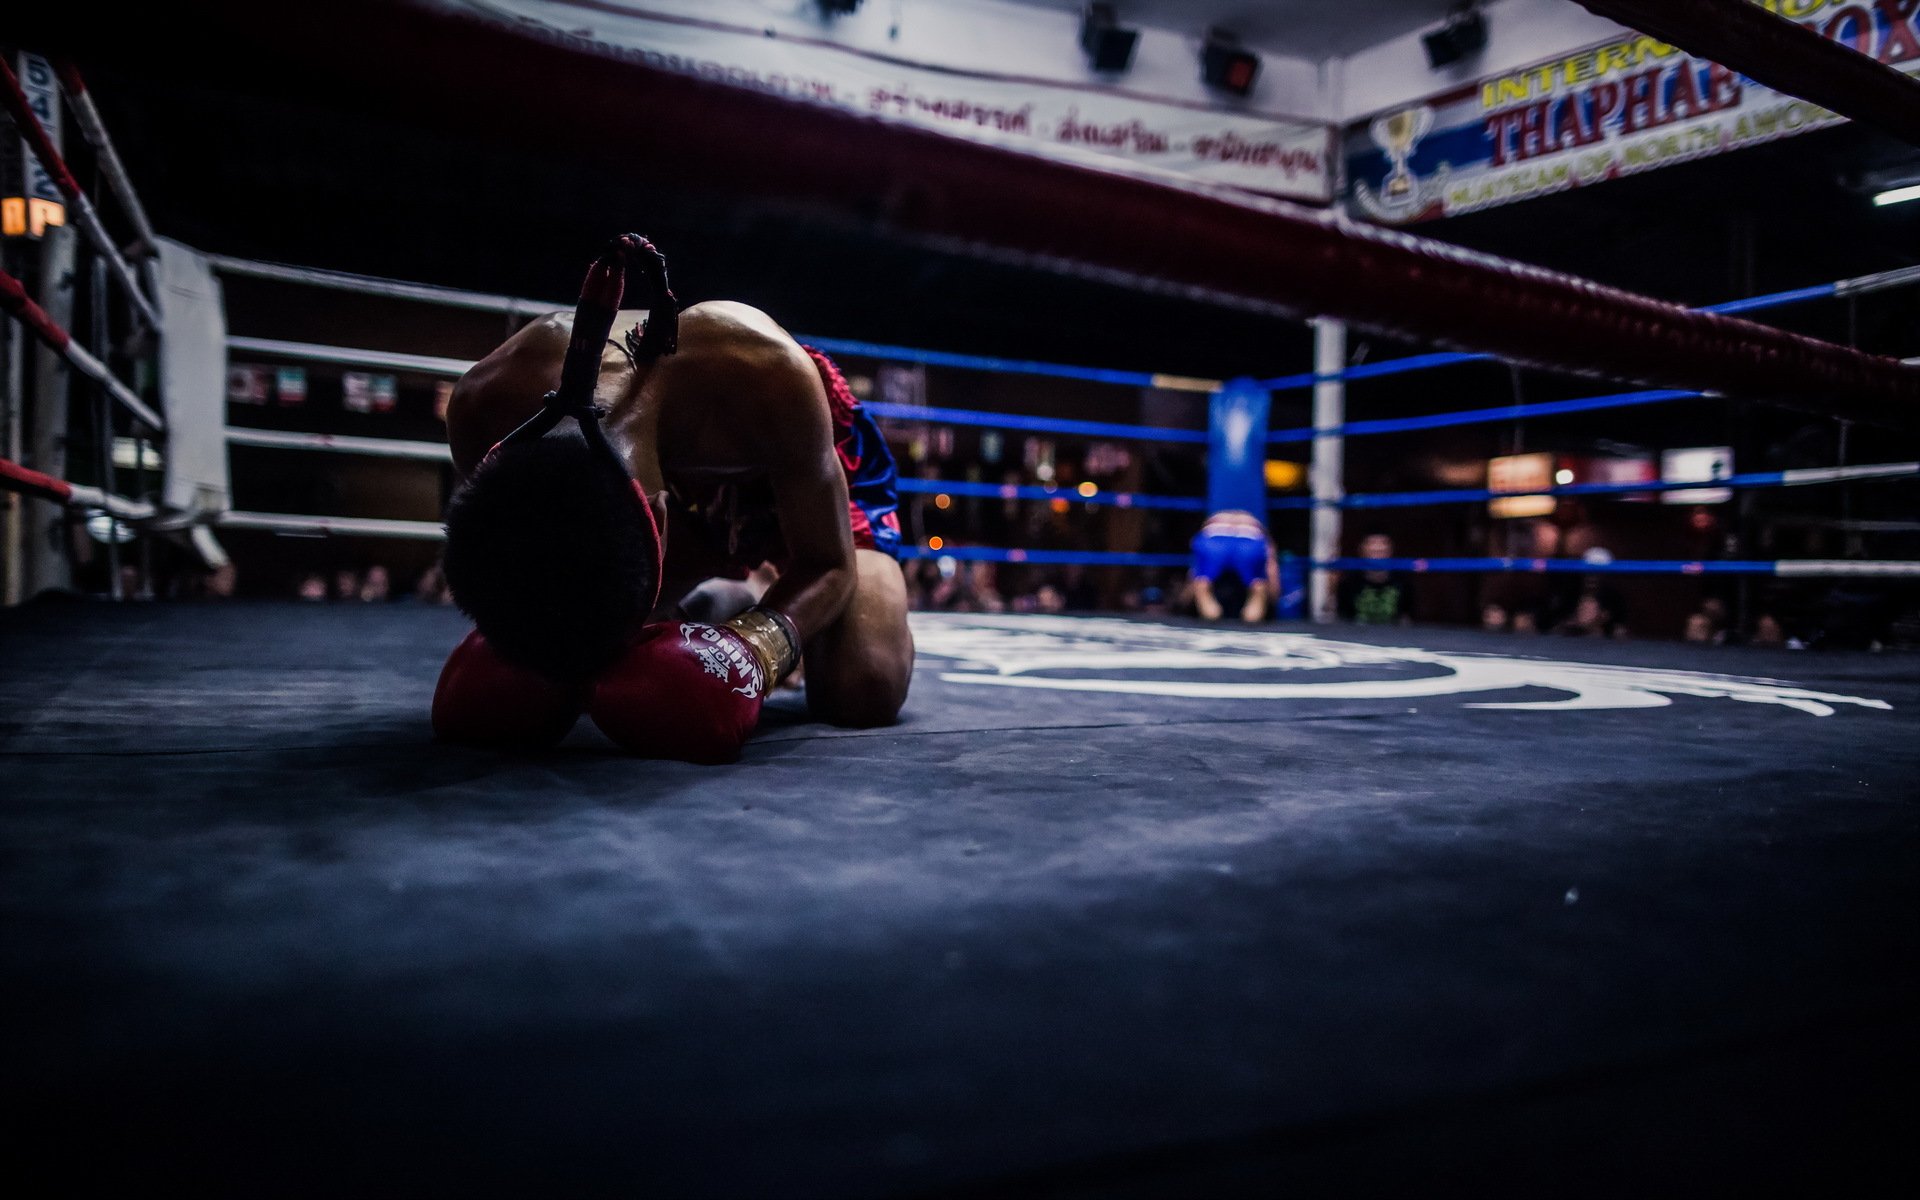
(1397, 366)
(977, 362)
(1552, 566)
(1365, 500)
(1083, 558)
(1751, 479)
(1097, 429)
(1416, 566)
(1481, 416)
(1008, 491)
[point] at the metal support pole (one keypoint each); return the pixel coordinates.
(47, 564)
(13, 348)
(103, 418)
(144, 489)
(1328, 472)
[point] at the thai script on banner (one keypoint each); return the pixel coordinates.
(1278, 156)
(1629, 105)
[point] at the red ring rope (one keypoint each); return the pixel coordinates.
(15, 302)
(16, 478)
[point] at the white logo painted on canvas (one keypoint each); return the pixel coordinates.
(1070, 654)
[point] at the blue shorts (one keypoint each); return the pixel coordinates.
(871, 496)
(873, 501)
(1216, 553)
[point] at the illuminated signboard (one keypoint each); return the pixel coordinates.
(1701, 464)
(1520, 473)
(29, 199)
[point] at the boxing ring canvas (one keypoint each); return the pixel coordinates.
(1120, 907)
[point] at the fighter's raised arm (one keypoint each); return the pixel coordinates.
(786, 423)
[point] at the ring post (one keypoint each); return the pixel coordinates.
(48, 565)
(1328, 471)
(1237, 448)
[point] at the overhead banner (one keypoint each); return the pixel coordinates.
(1278, 156)
(1619, 108)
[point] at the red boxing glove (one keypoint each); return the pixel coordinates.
(684, 690)
(485, 699)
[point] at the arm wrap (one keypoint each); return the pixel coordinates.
(773, 638)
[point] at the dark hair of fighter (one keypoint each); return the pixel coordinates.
(547, 554)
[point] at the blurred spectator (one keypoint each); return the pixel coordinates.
(1716, 612)
(346, 584)
(1375, 597)
(1493, 618)
(1560, 613)
(377, 586)
(313, 587)
(983, 581)
(1708, 624)
(432, 587)
(969, 587)
(1767, 631)
(923, 576)
(1049, 599)
(1591, 617)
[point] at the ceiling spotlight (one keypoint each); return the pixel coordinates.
(1225, 65)
(1109, 48)
(1896, 196)
(1463, 36)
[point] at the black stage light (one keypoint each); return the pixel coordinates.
(1109, 47)
(1225, 65)
(1463, 36)
(838, 8)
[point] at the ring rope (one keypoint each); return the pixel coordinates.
(29, 482)
(15, 302)
(1801, 568)
(95, 131)
(1782, 568)
(35, 135)
(1094, 429)
(1478, 416)
(1803, 477)
(279, 439)
(1009, 491)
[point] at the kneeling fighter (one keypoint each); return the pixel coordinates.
(1234, 542)
(605, 478)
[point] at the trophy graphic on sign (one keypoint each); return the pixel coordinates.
(1398, 133)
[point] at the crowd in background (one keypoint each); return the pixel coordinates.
(1811, 614)
(374, 585)
(1072, 512)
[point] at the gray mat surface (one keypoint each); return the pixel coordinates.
(1120, 908)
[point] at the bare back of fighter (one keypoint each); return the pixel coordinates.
(740, 404)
